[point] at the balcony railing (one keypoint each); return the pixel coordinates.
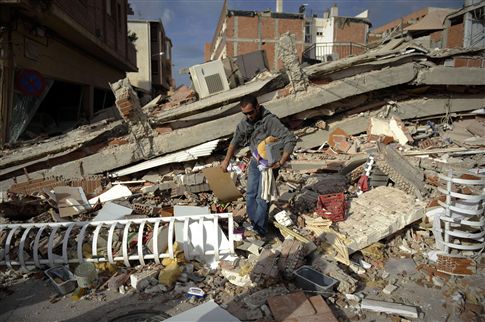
(328, 51)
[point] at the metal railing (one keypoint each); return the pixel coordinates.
(460, 223)
(329, 51)
(69, 238)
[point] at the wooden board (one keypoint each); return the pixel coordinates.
(221, 184)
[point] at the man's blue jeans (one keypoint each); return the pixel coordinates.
(257, 208)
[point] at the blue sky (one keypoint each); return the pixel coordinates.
(191, 23)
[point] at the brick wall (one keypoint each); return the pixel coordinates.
(455, 36)
(261, 32)
(405, 20)
(268, 27)
(230, 27)
(294, 26)
(436, 36)
(207, 51)
(247, 27)
(350, 32)
(246, 47)
(469, 62)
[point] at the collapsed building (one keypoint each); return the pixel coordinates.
(387, 179)
(57, 60)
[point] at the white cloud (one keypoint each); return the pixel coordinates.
(167, 16)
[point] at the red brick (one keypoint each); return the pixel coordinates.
(267, 28)
(292, 305)
(35, 185)
(246, 47)
(319, 304)
(247, 27)
(124, 104)
(455, 36)
(468, 62)
(404, 20)
(323, 317)
(163, 130)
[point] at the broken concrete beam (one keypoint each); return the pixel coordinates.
(319, 70)
(68, 142)
(406, 177)
(116, 157)
(289, 56)
(410, 109)
(390, 308)
(223, 111)
(320, 95)
(217, 99)
(441, 75)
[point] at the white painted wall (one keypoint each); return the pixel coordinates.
(323, 33)
(142, 78)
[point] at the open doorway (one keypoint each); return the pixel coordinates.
(60, 111)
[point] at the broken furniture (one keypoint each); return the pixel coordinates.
(460, 223)
(55, 231)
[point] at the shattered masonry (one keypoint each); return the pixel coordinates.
(395, 161)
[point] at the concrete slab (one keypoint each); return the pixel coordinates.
(72, 140)
(390, 308)
(406, 110)
(207, 312)
(218, 99)
(441, 75)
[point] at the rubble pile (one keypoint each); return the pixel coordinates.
(380, 208)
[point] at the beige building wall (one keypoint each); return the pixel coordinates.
(142, 78)
(56, 60)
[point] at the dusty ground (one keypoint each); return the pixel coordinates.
(30, 300)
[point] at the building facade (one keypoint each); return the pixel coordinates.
(426, 22)
(466, 27)
(57, 58)
(154, 57)
(439, 27)
(317, 38)
(332, 37)
(240, 32)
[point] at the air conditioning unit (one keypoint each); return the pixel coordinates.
(209, 78)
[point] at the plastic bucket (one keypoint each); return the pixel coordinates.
(86, 275)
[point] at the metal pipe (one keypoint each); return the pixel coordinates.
(15, 231)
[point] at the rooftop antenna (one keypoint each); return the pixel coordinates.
(302, 8)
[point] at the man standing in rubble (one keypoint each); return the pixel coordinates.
(258, 125)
